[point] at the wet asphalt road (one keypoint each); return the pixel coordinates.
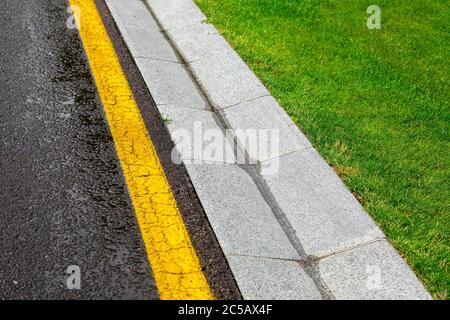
(63, 200)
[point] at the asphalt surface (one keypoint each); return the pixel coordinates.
(63, 198)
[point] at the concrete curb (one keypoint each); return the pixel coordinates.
(297, 233)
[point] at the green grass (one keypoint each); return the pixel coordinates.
(375, 103)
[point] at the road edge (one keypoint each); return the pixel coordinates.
(213, 262)
(332, 245)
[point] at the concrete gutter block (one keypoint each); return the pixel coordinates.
(170, 84)
(271, 279)
(240, 217)
(371, 272)
(144, 44)
(195, 134)
(265, 119)
(132, 13)
(198, 41)
(227, 79)
(325, 215)
(176, 13)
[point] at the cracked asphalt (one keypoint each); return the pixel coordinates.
(64, 200)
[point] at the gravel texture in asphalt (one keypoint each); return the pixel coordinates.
(63, 198)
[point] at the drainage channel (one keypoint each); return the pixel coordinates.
(308, 263)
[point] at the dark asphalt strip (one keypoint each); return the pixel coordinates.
(212, 259)
(63, 199)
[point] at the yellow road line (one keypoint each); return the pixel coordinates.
(175, 265)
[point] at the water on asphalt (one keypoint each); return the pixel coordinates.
(63, 199)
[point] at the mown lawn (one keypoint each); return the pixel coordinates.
(375, 103)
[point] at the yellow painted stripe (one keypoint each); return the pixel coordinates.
(176, 267)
